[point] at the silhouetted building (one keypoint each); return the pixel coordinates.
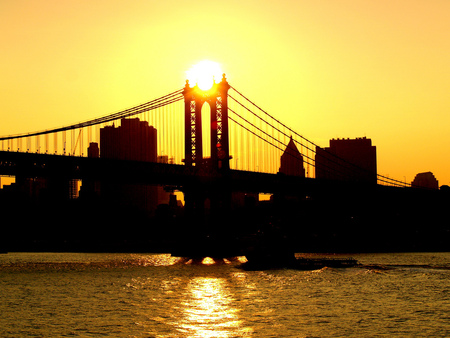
(32, 187)
(91, 188)
(348, 160)
(93, 150)
(242, 199)
(74, 188)
(425, 180)
(291, 162)
(133, 140)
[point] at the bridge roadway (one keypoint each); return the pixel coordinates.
(135, 172)
(21, 164)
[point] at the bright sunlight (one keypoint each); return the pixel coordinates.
(204, 73)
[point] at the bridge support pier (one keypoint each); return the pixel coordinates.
(207, 221)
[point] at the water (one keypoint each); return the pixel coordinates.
(138, 295)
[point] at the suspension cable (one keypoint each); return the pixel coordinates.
(380, 177)
(311, 160)
(262, 131)
(270, 125)
(154, 104)
(312, 163)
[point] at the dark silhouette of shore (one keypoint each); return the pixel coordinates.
(404, 220)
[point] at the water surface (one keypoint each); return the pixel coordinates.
(145, 295)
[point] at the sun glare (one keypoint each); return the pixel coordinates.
(204, 73)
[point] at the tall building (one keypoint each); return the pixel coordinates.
(348, 160)
(425, 180)
(291, 162)
(133, 140)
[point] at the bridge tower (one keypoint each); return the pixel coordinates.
(217, 98)
(208, 200)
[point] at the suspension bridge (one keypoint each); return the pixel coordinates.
(208, 144)
(255, 140)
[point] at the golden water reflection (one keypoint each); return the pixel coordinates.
(208, 310)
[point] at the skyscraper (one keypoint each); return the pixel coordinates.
(348, 160)
(133, 140)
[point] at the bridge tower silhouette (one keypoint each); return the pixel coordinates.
(217, 98)
(208, 201)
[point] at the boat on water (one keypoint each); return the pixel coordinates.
(301, 263)
(276, 253)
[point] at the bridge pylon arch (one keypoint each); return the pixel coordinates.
(217, 98)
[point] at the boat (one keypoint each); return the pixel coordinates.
(301, 263)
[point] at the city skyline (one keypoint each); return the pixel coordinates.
(330, 70)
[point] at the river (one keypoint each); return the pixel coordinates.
(155, 295)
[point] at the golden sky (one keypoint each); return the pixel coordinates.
(327, 68)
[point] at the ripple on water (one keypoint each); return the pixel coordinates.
(138, 295)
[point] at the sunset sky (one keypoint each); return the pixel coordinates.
(327, 68)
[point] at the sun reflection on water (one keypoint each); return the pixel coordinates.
(208, 310)
(208, 261)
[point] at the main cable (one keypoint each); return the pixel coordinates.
(380, 177)
(154, 104)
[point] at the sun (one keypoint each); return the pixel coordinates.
(204, 73)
